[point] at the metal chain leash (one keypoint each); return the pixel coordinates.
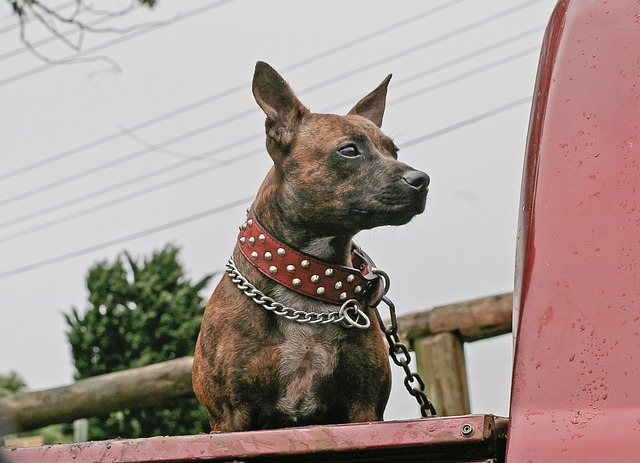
(399, 352)
(350, 314)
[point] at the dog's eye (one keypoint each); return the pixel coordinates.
(395, 151)
(349, 151)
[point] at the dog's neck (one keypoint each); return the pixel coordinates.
(331, 249)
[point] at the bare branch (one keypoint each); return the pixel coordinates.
(53, 29)
(85, 26)
(110, 14)
(115, 67)
(50, 38)
(76, 24)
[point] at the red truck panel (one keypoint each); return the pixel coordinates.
(576, 384)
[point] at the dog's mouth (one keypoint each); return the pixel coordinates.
(387, 212)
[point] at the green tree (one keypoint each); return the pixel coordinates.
(11, 383)
(139, 314)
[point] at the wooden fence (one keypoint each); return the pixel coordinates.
(437, 337)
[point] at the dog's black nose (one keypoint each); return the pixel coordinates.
(416, 179)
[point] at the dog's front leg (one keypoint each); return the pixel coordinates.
(363, 413)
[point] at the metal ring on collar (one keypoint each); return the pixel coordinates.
(386, 283)
(348, 321)
(385, 279)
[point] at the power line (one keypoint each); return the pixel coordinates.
(467, 122)
(122, 239)
(215, 210)
(202, 156)
(230, 91)
(412, 49)
(129, 196)
(119, 133)
(464, 75)
(473, 54)
(122, 159)
(372, 35)
(460, 59)
(128, 182)
(102, 46)
(425, 44)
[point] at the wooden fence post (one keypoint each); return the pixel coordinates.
(440, 363)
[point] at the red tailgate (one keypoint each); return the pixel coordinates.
(576, 385)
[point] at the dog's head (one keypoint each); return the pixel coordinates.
(335, 174)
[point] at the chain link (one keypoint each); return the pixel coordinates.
(399, 353)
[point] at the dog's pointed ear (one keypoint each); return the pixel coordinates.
(372, 106)
(279, 103)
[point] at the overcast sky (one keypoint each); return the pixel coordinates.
(168, 148)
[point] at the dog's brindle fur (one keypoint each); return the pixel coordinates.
(332, 177)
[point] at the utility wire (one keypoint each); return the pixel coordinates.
(467, 122)
(110, 43)
(129, 196)
(237, 116)
(122, 239)
(373, 35)
(425, 44)
(245, 200)
(458, 60)
(230, 91)
(464, 75)
(122, 159)
(124, 183)
(206, 154)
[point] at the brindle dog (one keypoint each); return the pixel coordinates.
(332, 177)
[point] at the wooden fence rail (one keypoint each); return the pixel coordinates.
(137, 387)
(473, 320)
(436, 336)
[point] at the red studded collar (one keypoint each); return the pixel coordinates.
(304, 274)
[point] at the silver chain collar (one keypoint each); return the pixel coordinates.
(350, 314)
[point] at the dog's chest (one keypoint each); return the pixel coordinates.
(307, 357)
(307, 350)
